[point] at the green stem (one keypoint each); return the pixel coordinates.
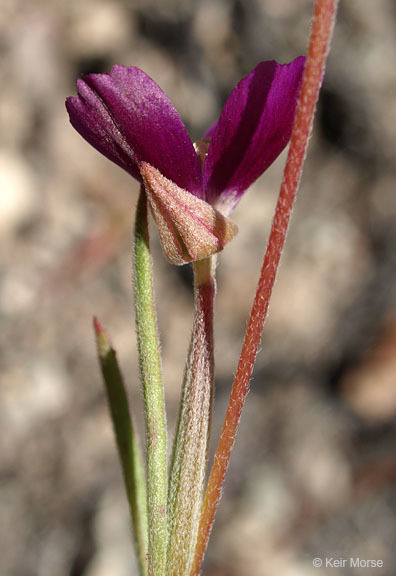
(153, 393)
(189, 461)
(127, 443)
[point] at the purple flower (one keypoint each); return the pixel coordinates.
(127, 117)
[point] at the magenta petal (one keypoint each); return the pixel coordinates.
(128, 118)
(253, 129)
(209, 133)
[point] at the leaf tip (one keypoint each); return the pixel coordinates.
(102, 339)
(97, 325)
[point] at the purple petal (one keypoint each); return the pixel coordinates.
(253, 129)
(128, 118)
(209, 133)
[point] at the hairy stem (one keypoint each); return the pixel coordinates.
(153, 393)
(322, 27)
(189, 462)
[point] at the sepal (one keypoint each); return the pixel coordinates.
(190, 229)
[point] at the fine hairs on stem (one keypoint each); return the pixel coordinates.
(322, 29)
(191, 191)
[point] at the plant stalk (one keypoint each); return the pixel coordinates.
(153, 393)
(322, 29)
(189, 461)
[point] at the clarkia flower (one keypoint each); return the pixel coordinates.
(191, 189)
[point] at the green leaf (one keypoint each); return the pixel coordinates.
(127, 443)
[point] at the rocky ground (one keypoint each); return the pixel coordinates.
(314, 469)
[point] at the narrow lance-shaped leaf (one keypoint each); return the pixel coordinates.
(127, 443)
(153, 393)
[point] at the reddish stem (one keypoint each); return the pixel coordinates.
(189, 459)
(322, 27)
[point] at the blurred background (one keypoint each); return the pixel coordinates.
(314, 469)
